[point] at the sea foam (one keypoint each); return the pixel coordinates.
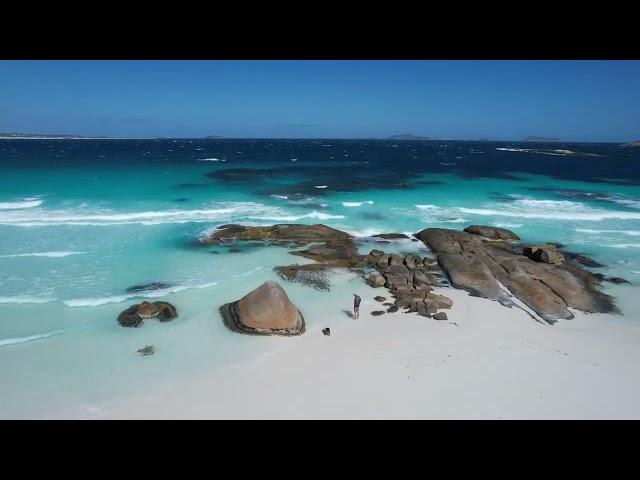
(19, 204)
(43, 254)
(95, 302)
(31, 338)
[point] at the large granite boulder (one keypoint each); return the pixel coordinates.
(488, 270)
(265, 311)
(494, 233)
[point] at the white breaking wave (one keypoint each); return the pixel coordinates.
(94, 302)
(320, 186)
(22, 203)
(505, 149)
(624, 245)
(211, 160)
(623, 232)
(508, 225)
(357, 204)
(363, 233)
(627, 202)
(24, 300)
(282, 197)
(16, 340)
(531, 208)
(43, 254)
(293, 218)
(224, 211)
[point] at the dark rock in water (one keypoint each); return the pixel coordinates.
(377, 313)
(392, 309)
(479, 266)
(618, 280)
(582, 259)
(136, 314)
(376, 253)
(387, 304)
(311, 275)
(331, 248)
(147, 287)
(543, 253)
(167, 311)
(181, 199)
(234, 250)
(326, 331)
(379, 298)
(265, 311)
(130, 318)
(390, 236)
(439, 316)
(494, 233)
(148, 350)
(374, 215)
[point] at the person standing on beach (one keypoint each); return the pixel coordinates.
(356, 306)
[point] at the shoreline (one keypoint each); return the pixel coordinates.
(485, 362)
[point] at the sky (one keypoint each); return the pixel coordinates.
(500, 100)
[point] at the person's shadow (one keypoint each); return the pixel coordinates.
(349, 313)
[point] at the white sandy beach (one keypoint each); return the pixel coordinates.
(485, 362)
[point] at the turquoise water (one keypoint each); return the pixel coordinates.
(83, 221)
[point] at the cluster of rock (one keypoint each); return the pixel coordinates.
(487, 264)
(330, 248)
(135, 315)
(486, 261)
(410, 280)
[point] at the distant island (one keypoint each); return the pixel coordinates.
(407, 136)
(541, 139)
(43, 136)
(633, 144)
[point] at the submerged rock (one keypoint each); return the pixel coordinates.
(265, 311)
(310, 275)
(390, 236)
(377, 313)
(618, 280)
(331, 248)
(148, 350)
(148, 287)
